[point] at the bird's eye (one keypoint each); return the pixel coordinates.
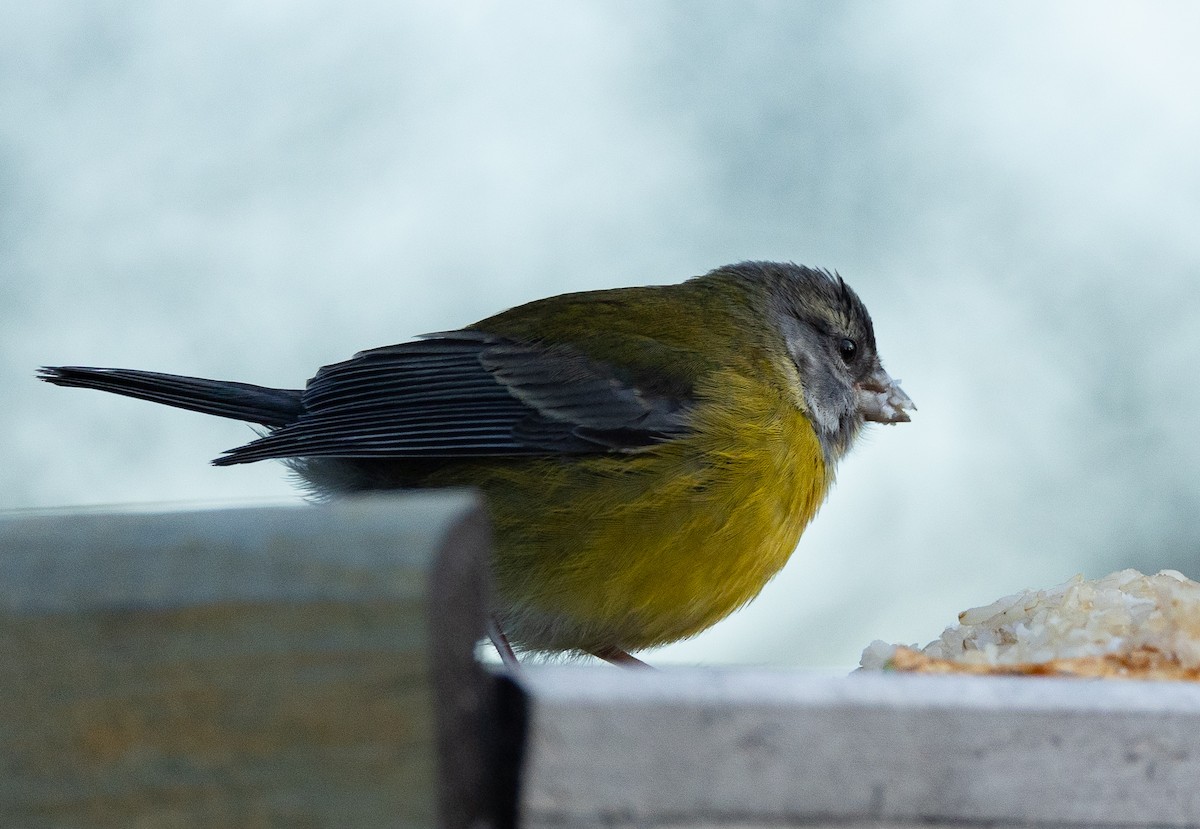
(848, 348)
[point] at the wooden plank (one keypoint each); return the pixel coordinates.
(748, 748)
(249, 667)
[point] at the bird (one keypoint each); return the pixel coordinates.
(649, 455)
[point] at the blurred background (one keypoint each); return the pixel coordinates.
(250, 191)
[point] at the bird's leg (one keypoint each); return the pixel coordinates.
(496, 633)
(614, 655)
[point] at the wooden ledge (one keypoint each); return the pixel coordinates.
(290, 666)
(749, 748)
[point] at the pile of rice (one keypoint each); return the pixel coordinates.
(1125, 624)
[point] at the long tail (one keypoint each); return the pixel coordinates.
(240, 401)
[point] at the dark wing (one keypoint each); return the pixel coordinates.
(468, 394)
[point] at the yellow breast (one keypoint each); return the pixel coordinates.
(643, 550)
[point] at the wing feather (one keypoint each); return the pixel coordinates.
(469, 394)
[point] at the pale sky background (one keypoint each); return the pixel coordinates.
(250, 191)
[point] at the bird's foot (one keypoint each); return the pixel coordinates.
(616, 656)
(507, 655)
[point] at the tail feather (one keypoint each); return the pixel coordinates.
(241, 401)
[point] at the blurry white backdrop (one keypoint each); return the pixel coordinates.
(250, 191)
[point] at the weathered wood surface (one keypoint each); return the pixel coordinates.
(244, 668)
(758, 748)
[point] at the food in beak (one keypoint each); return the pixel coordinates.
(880, 399)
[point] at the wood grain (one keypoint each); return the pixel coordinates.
(242, 668)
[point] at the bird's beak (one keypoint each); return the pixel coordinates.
(881, 399)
